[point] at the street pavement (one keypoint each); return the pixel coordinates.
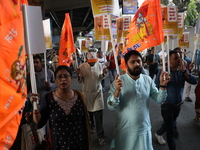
(189, 130)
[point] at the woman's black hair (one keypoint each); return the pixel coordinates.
(130, 53)
(63, 67)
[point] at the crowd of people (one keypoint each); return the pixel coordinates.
(65, 118)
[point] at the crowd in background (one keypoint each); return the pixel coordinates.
(81, 113)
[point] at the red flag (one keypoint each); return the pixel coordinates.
(66, 43)
(12, 70)
(145, 30)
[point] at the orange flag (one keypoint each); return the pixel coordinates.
(66, 43)
(145, 30)
(12, 70)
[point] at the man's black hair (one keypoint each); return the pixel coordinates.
(177, 48)
(130, 53)
(173, 52)
(37, 57)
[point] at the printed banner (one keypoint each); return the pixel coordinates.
(170, 20)
(196, 37)
(105, 7)
(84, 46)
(123, 24)
(180, 24)
(66, 43)
(101, 27)
(146, 28)
(13, 70)
(34, 30)
(184, 41)
(47, 33)
(129, 6)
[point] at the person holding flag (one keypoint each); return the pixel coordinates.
(130, 95)
(171, 107)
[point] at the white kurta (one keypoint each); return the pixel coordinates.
(133, 126)
(91, 86)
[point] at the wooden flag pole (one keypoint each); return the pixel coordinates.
(45, 67)
(113, 46)
(172, 44)
(168, 64)
(76, 60)
(163, 56)
(195, 46)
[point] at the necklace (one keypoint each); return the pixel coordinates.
(72, 93)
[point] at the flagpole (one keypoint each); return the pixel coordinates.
(103, 46)
(172, 44)
(45, 67)
(76, 60)
(195, 46)
(168, 64)
(84, 56)
(163, 56)
(28, 49)
(113, 46)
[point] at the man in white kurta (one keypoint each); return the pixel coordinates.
(130, 96)
(90, 75)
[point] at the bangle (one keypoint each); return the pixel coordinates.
(184, 71)
(162, 86)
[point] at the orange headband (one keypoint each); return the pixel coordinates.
(92, 60)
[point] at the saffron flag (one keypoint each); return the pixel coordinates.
(145, 29)
(66, 43)
(12, 70)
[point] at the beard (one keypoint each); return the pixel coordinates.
(134, 72)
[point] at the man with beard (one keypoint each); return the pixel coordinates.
(171, 107)
(129, 96)
(90, 74)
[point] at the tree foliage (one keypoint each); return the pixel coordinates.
(182, 4)
(192, 14)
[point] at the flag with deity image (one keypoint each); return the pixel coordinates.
(146, 29)
(13, 90)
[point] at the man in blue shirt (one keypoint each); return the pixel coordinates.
(170, 109)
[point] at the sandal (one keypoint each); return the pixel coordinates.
(101, 141)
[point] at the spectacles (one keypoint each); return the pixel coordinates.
(65, 76)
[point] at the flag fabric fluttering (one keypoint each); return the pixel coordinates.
(145, 29)
(13, 70)
(66, 43)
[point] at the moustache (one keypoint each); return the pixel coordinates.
(137, 68)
